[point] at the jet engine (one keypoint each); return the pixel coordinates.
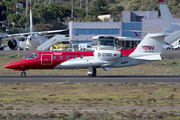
(13, 43)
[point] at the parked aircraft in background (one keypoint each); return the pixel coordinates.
(170, 27)
(168, 23)
(34, 39)
(148, 50)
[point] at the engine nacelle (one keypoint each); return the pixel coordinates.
(107, 55)
(106, 68)
(13, 43)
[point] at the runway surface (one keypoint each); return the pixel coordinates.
(84, 78)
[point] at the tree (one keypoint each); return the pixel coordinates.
(2, 11)
(14, 18)
(10, 5)
(22, 21)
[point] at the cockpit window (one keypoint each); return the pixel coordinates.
(32, 56)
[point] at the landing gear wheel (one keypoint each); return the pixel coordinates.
(23, 74)
(90, 75)
(94, 72)
(168, 48)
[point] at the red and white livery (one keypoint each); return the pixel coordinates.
(149, 49)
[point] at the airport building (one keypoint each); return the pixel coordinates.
(81, 32)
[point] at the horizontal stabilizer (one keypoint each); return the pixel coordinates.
(149, 57)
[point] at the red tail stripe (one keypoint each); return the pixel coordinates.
(127, 52)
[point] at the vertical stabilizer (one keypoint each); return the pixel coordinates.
(149, 48)
(167, 19)
(136, 33)
(31, 21)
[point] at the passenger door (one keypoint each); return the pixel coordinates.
(46, 59)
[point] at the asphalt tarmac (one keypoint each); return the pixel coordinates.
(85, 78)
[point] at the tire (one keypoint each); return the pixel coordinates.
(168, 48)
(1, 48)
(94, 74)
(90, 75)
(23, 74)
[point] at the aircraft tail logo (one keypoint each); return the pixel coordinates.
(148, 47)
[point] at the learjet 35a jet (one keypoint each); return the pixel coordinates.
(148, 50)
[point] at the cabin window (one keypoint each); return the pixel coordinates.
(67, 57)
(60, 57)
(81, 56)
(54, 57)
(74, 56)
(32, 56)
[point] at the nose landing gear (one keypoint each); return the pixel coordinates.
(23, 74)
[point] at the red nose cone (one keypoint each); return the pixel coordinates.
(8, 66)
(15, 65)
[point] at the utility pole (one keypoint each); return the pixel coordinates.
(26, 7)
(72, 10)
(80, 3)
(49, 1)
(26, 13)
(86, 8)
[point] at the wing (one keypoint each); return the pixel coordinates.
(31, 33)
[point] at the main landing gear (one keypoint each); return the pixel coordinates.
(92, 72)
(23, 74)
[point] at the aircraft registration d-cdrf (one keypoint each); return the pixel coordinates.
(148, 50)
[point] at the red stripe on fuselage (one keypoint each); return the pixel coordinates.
(37, 62)
(127, 52)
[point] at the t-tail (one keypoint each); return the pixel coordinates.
(31, 21)
(150, 48)
(167, 19)
(136, 33)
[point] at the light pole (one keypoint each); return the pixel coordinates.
(72, 10)
(26, 14)
(80, 3)
(86, 8)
